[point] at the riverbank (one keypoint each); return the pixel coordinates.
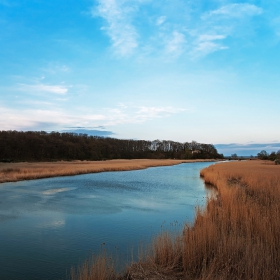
(11, 172)
(237, 235)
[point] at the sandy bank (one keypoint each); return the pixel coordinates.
(11, 172)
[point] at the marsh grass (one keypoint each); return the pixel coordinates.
(236, 236)
(11, 172)
(100, 267)
(157, 260)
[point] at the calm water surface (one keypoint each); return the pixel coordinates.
(49, 225)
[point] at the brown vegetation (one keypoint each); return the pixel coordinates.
(99, 267)
(236, 236)
(10, 172)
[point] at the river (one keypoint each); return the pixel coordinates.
(49, 225)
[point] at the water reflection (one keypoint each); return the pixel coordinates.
(54, 191)
(49, 225)
(211, 191)
(50, 222)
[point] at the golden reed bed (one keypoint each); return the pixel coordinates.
(236, 236)
(10, 172)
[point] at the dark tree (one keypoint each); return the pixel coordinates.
(43, 146)
(262, 155)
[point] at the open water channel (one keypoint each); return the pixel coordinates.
(48, 226)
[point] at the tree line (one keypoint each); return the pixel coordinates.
(264, 155)
(43, 146)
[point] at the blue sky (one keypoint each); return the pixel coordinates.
(176, 70)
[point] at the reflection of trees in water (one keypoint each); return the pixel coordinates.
(211, 191)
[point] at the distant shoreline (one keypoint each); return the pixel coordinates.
(13, 172)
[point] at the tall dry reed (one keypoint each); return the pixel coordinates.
(238, 235)
(99, 267)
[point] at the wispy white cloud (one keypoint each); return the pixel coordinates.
(130, 115)
(117, 15)
(34, 119)
(54, 68)
(43, 119)
(158, 112)
(44, 88)
(36, 103)
(206, 47)
(206, 44)
(176, 44)
(138, 114)
(160, 32)
(161, 20)
(221, 24)
(234, 11)
(207, 37)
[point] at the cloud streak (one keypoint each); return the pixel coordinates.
(162, 33)
(44, 88)
(234, 11)
(206, 44)
(40, 119)
(176, 44)
(118, 27)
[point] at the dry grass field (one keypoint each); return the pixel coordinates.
(10, 172)
(236, 236)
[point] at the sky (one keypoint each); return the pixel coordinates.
(176, 70)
